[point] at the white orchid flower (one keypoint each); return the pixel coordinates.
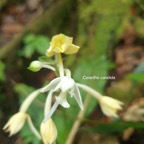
(66, 85)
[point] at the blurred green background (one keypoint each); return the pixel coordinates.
(111, 39)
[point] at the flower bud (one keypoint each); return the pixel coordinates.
(48, 131)
(110, 106)
(35, 66)
(15, 124)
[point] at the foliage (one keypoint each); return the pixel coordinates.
(2, 71)
(34, 43)
(106, 8)
(138, 75)
(115, 127)
(101, 23)
(138, 24)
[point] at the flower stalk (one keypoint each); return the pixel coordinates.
(33, 129)
(27, 102)
(89, 90)
(60, 64)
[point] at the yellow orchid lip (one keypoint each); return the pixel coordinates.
(61, 44)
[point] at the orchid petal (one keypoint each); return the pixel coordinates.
(110, 106)
(112, 103)
(71, 49)
(63, 102)
(108, 112)
(56, 104)
(48, 103)
(51, 85)
(57, 87)
(54, 107)
(71, 92)
(66, 83)
(77, 96)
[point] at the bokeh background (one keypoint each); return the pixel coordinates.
(111, 36)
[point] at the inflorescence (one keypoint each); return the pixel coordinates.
(60, 87)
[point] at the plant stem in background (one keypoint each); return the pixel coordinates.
(77, 122)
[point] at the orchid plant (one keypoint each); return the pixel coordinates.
(60, 87)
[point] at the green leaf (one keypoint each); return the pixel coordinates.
(42, 44)
(34, 43)
(28, 136)
(23, 90)
(28, 51)
(44, 59)
(2, 71)
(115, 127)
(29, 38)
(136, 77)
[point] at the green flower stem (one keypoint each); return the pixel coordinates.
(60, 65)
(49, 63)
(48, 67)
(25, 105)
(89, 90)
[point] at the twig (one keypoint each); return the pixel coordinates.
(78, 121)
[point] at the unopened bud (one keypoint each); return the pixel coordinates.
(35, 66)
(48, 131)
